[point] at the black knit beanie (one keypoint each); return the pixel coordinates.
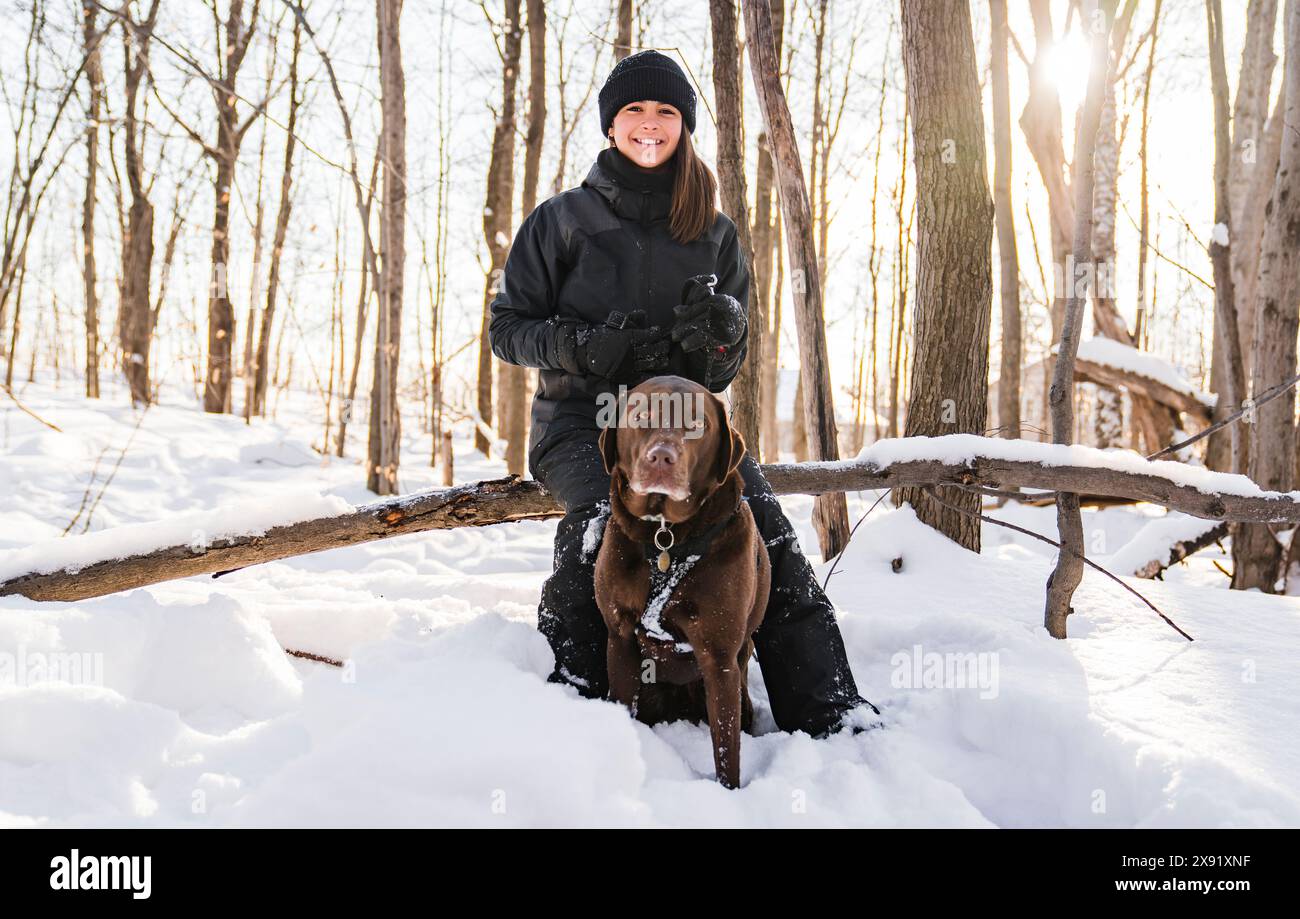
(646, 75)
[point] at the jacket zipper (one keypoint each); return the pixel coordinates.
(645, 258)
(647, 284)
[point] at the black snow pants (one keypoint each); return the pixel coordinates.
(799, 647)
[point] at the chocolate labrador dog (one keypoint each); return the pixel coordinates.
(682, 577)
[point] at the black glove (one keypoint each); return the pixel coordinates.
(706, 319)
(615, 351)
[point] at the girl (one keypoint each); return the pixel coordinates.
(602, 288)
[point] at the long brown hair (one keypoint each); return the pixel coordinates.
(694, 192)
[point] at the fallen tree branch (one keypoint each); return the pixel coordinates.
(1181, 550)
(1086, 371)
(1151, 486)
(983, 461)
(473, 504)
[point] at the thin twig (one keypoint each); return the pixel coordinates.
(85, 494)
(837, 558)
(1012, 495)
(929, 489)
(1250, 404)
(121, 456)
(25, 410)
(309, 656)
(1156, 250)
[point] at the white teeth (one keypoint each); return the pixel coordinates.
(647, 142)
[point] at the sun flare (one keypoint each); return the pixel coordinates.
(1067, 68)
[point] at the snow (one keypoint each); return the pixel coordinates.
(651, 617)
(191, 715)
(964, 449)
(1220, 234)
(594, 532)
(1110, 353)
(1155, 541)
(253, 516)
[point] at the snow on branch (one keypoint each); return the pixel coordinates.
(1111, 363)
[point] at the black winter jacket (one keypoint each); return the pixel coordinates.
(601, 247)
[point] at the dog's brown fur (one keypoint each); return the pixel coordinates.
(716, 607)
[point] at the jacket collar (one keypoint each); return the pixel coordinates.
(632, 193)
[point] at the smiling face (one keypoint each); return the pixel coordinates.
(647, 132)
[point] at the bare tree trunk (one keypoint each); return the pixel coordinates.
(1248, 235)
(799, 425)
(95, 79)
(1009, 280)
(16, 327)
(385, 415)
(281, 230)
(874, 257)
(498, 208)
(623, 45)
(514, 389)
(440, 249)
(1155, 423)
(1142, 324)
(1251, 169)
(773, 342)
(1225, 311)
(1068, 572)
(767, 242)
(180, 207)
(336, 336)
(818, 132)
(1249, 113)
(898, 315)
(254, 287)
(134, 326)
(830, 512)
(949, 380)
(1256, 553)
(761, 312)
(363, 300)
(727, 90)
(230, 134)
(1108, 419)
(1041, 124)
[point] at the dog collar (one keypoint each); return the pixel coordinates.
(663, 552)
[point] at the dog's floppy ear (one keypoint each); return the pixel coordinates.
(609, 447)
(731, 446)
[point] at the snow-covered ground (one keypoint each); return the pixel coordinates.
(187, 711)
